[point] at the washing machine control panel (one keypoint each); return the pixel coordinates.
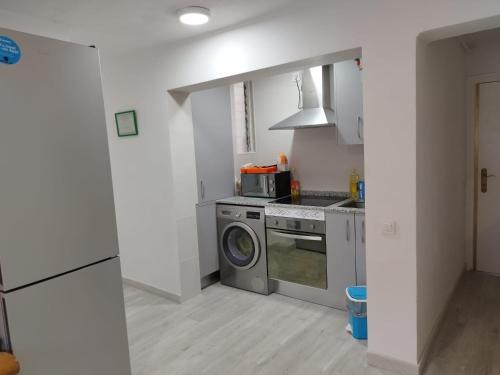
(253, 215)
(240, 213)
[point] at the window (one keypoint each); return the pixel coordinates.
(243, 117)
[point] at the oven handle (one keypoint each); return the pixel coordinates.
(298, 236)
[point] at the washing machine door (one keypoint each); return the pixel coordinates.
(240, 245)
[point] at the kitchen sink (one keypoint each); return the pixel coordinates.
(353, 204)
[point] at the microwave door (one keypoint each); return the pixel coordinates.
(255, 185)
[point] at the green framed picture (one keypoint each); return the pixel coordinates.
(126, 123)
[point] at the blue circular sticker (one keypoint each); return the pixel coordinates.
(9, 51)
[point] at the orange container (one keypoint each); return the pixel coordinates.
(259, 170)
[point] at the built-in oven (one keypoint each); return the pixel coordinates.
(296, 251)
(265, 185)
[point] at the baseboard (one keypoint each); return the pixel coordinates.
(424, 357)
(392, 364)
(151, 289)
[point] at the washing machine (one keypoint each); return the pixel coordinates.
(242, 247)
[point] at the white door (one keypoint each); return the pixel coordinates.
(213, 143)
(341, 256)
(72, 324)
(56, 203)
(488, 225)
(348, 98)
(360, 249)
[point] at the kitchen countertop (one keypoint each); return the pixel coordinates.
(267, 202)
(346, 210)
(239, 200)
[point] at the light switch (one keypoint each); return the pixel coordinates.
(389, 228)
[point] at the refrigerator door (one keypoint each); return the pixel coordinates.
(56, 207)
(72, 324)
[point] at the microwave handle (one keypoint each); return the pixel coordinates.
(298, 236)
(266, 184)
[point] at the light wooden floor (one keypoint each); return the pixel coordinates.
(469, 340)
(226, 331)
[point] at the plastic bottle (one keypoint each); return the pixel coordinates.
(282, 162)
(294, 186)
(361, 191)
(353, 184)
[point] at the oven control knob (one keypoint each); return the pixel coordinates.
(238, 214)
(312, 226)
(276, 222)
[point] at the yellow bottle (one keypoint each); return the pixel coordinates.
(353, 184)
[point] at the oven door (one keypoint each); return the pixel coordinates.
(255, 185)
(297, 257)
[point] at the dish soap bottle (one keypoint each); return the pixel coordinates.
(353, 184)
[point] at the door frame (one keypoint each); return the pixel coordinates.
(472, 163)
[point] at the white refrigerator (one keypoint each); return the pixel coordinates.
(62, 307)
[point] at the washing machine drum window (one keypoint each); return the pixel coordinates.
(240, 245)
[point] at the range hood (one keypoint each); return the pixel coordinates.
(314, 101)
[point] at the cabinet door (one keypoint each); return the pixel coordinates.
(341, 255)
(360, 249)
(207, 238)
(56, 204)
(213, 141)
(71, 324)
(348, 97)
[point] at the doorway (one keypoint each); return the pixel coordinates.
(487, 174)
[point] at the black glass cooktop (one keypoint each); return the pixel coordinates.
(316, 201)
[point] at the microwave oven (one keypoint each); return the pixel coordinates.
(265, 185)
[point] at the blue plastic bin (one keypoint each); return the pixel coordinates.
(356, 307)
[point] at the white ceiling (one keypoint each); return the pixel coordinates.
(135, 22)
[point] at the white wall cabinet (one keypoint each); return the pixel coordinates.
(213, 142)
(207, 238)
(360, 249)
(348, 102)
(341, 255)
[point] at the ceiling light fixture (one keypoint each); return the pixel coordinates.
(194, 15)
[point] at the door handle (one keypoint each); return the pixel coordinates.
(202, 188)
(359, 127)
(484, 179)
(363, 233)
(347, 230)
(266, 185)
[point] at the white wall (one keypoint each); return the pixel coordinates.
(320, 163)
(440, 179)
(142, 174)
